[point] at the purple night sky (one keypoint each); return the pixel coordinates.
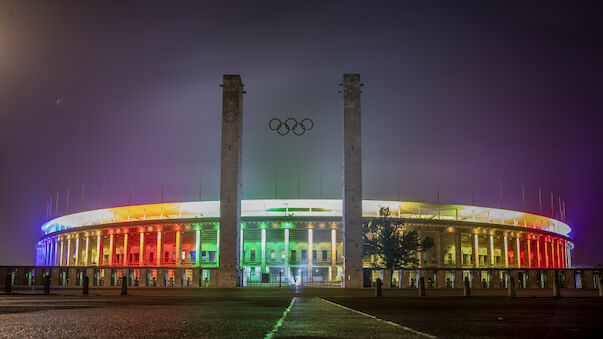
(454, 94)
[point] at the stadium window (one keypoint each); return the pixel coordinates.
(314, 255)
(212, 256)
(282, 255)
(203, 256)
(304, 255)
(293, 255)
(324, 255)
(252, 255)
(272, 255)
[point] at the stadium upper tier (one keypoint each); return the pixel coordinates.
(305, 208)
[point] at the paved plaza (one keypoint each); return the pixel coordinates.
(287, 312)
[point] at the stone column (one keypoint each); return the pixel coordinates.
(439, 250)
(230, 182)
(506, 249)
(333, 254)
(87, 260)
(352, 182)
(587, 279)
(196, 277)
(550, 276)
(107, 274)
(529, 250)
(440, 278)
(54, 276)
(111, 250)
(515, 275)
(263, 250)
(61, 261)
(72, 274)
(310, 256)
(570, 279)
(458, 279)
(37, 277)
(475, 251)
(142, 277)
(286, 240)
(126, 253)
(198, 248)
(532, 279)
(77, 250)
(458, 254)
(491, 250)
(159, 254)
(546, 252)
(517, 252)
(404, 279)
(177, 277)
(477, 279)
(141, 253)
(100, 239)
(19, 276)
(387, 278)
(90, 275)
(161, 277)
(68, 254)
(538, 256)
(559, 256)
(179, 249)
(57, 253)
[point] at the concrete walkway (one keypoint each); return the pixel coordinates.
(316, 317)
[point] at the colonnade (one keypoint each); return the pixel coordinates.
(472, 249)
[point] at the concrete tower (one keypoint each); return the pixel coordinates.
(352, 182)
(230, 182)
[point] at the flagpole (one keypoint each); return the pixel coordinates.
(540, 200)
(552, 206)
(162, 186)
(398, 182)
(103, 194)
(67, 202)
(523, 196)
(500, 191)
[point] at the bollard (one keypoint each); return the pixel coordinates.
(556, 289)
(511, 288)
(600, 286)
(47, 284)
(124, 286)
(378, 285)
(86, 285)
(421, 287)
(8, 283)
(466, 288)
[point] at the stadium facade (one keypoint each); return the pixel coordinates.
(293, 241)
(231, 242)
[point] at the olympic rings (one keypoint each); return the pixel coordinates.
(291, 124)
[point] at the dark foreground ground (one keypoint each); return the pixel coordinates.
(286, 312)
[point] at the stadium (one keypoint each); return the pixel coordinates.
(293, 242)
(234, 242)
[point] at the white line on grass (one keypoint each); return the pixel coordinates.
(280, 321)
(427, 335)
